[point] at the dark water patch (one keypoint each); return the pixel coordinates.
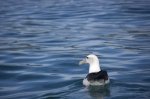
(10, 67)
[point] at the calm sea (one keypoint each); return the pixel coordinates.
(42, 41)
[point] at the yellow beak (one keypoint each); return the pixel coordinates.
(82, 62)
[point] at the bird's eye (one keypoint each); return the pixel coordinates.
(87, 57)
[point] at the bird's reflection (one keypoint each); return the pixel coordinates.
(99, 92)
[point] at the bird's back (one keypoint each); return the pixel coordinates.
(99, 78)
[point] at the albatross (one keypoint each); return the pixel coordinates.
(96, 76)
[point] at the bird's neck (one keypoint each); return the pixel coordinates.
(94, 67)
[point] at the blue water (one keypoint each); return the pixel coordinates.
(42, 41)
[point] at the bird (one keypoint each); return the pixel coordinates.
(96, 76)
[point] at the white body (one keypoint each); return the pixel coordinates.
(95, 83)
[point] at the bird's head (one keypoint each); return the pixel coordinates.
(93, 61)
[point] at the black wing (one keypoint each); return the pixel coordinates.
(98, 76)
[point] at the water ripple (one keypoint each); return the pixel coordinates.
(41, 43)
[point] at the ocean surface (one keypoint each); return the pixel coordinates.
(42, 42)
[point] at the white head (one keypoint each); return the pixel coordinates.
(93, 61)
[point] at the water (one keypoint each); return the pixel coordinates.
(42, 41)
